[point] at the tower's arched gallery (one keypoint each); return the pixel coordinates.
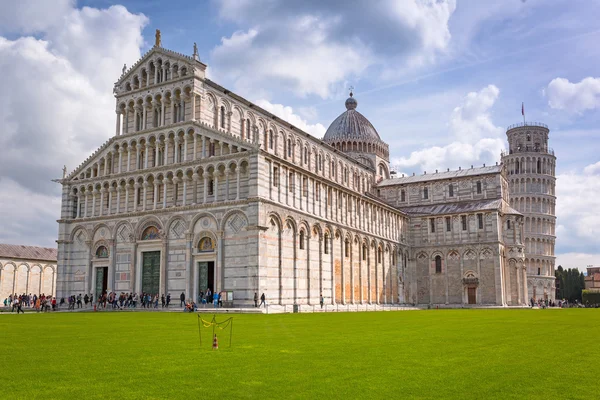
(199, 188)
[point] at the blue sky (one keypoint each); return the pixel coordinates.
(440, 81)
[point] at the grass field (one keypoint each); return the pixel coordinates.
(478, 354)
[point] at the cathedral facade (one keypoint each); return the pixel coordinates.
(199, 188)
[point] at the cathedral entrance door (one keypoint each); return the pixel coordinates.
(101, 280)
(151, 272)
(206, 276)
(472, 294)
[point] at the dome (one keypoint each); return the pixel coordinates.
(351, 124)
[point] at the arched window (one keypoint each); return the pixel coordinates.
(402, 195)
(289, 147)
(271, 139)
(301, 240)
(102, 252)
(438, 264)
(248, 129)
(539, 166)
(379, 255)
(528, 137)
(364, 252)
(222, 117)
(206, 245)
(508, 224)
(150, 233)
(517, 167)
(425, 193)
(347, 248)
(450, 190)
(326, 243)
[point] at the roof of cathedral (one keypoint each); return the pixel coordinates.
(461, 173)
(460, 207)
(351, 125)
(28, 252)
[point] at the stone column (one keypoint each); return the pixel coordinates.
(155, 195)
(203, 146)
(146, 152)
(94, 192)
(110, 192)
(185, 146)
(126, 197)
(195, 145)
(118, 199)
(195, 178)
(193, 101)
(165, 181)
(136, 186)
(166, 155)
(185, 180)
(145, 196)
(118, 127)
(145, 116)
(237, 184)
(205, 188)
(120, 159)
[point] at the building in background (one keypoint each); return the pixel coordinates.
(531, 172)
(27, 269)
(592, 279)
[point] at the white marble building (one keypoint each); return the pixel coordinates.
(200, 188)
(27, 270)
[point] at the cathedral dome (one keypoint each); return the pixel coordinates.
(351, 125)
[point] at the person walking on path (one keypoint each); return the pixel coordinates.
(163, 301)
(262, 300)
(255, 299)
(19, 307)
(182, 300)
(321, 300)
(168, 299)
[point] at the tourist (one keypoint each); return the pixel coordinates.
(262, 300)
(54, 304)
(38, 304)
(255, 299)
(168, 299)
(321, 300)
(156, 301)
(220, 299)
(163, 300)
(182, 299)
(79, 304)
(18, 303)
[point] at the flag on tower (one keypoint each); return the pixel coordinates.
(523, 109)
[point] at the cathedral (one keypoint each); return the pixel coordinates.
(200, 189)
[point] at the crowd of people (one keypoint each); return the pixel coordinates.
(38, 303)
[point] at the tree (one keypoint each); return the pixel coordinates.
(570, 283)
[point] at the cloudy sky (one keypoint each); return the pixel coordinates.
(440, 80)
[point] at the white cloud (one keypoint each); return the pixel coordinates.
(592, 169)
(577, 206)
(574, 97)
(313, 47)
(56, 105)
(471, 120)
(31, 16)
(287, 113)
(476, 139)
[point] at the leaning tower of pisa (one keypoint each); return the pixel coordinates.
(531, 166)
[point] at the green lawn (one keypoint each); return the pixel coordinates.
(479, 354)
